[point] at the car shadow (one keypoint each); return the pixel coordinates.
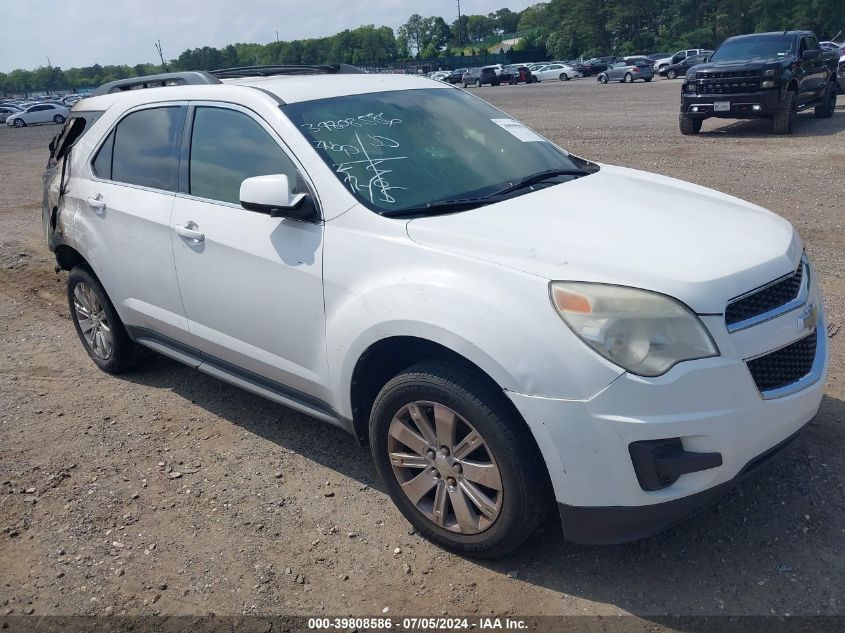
(805, 125)
(755, 551)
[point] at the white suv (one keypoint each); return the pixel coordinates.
(506, 324)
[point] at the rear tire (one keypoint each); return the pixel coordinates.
(826, 109)
(59, 119)
(628, 78)
(517, 485)
(647, 79)
(478, 83)
(689, 126)
(104, 337)
(784, 120)
(671, 74)
(602, 79)
(564, 77)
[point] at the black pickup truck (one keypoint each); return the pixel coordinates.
(762, 75)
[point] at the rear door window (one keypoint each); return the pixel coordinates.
(146, 144)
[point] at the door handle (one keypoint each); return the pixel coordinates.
(189, 231)
(96, 202)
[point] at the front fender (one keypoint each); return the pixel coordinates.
(380, 285)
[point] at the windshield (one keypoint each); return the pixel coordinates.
(759, 47)
(403, 149)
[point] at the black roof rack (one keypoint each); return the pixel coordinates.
(285, 69)
(189, 78)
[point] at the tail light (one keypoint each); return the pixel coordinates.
(636, 70)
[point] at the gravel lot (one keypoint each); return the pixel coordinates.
(166, 491)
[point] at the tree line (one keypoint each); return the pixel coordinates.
(560, 29)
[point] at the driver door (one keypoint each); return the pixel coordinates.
(251, 284)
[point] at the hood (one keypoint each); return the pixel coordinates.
(745, 64)
(627, 227)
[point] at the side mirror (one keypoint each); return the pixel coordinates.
(271, 194)
(811, 54)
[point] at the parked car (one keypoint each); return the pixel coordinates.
(8, 109)
(480, 76)
(761, 75)
(516, 74)
(641, 59)
(456, 75)
(678, 57)
(680, 69)
(832, 46)
(660, 341)
(555, 71)
(600, 64)
(627, 73)
(38, 113)
(439, 75)
(657, 56)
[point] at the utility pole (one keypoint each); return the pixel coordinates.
(161, 56)
(459, 23)
(277, 37)
(49, 65)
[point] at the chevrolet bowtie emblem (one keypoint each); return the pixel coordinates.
(807, 318)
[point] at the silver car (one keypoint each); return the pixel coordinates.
(627, 73)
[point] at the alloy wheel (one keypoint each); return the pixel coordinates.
(93, 321)
(444, 467)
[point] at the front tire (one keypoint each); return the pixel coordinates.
(20, 123)
(689, 126)
(457, 461)
(784, 120)
(478, 83)
(826, 109)
(99, 327)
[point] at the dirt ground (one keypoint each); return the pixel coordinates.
(165, 491)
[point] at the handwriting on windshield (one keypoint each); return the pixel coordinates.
(368, 175)
(333, 125)
(376, 140)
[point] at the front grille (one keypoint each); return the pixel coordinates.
(744, 74)
(728, 87)
(767, 299)
(720, 83)
(784, 366)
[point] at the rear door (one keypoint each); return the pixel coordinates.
(123, 215)
(252, 284)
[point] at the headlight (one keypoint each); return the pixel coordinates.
(767, 84)
(769, 73)
(643, 332)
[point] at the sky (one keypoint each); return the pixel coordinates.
(83, 32)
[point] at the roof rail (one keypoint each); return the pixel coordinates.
(189, 78)
(285, 69)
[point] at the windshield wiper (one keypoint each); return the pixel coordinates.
(540, 176)
(442, 206)
(464, 204)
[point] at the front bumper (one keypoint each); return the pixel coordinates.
(712, 405)
(763, 103)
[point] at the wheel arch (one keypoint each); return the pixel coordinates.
(69, 258)
(382, 359)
